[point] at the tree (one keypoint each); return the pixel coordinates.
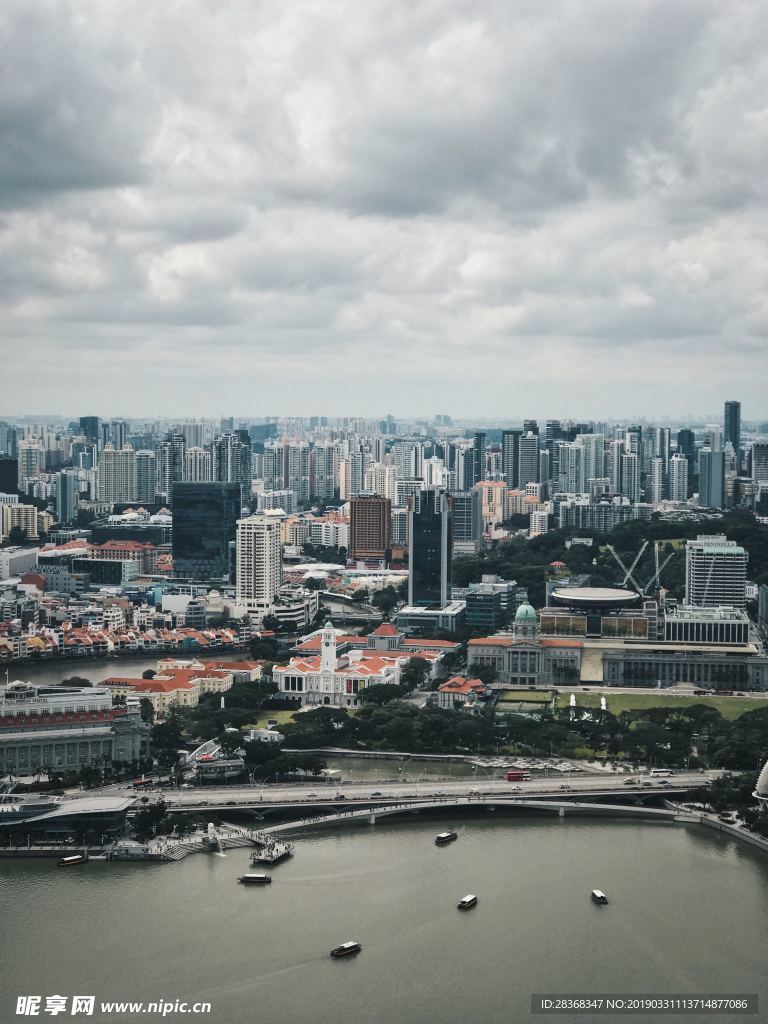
(166, 738)
(271, 623)
(487, 674)
(148, 673)
(414, 674)
(147, 710)
(75, 681)
(386, 600)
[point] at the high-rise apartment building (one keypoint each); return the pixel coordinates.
(630, 476)
(715, 572)
(259, 564)
(431, 549)
(657, 480)
(369, 527)
(198, 468)
(678, 477)
(205, 516)
(117, 474)
(527, 459)
(146, 476)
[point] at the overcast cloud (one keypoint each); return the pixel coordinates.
(500, 208)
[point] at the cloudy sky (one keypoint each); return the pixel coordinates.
(408, 206)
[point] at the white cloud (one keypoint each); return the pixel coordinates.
(506, 208)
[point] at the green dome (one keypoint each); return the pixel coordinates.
(525, 613)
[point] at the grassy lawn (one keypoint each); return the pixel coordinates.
(729, 707)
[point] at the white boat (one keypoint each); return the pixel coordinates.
(252, 878)
(467, 902)
(599, 897)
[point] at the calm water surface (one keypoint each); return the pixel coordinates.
(688, 915)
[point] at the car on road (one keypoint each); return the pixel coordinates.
(646, 785)
(515, 789)
(376, 793)
(630, 782)
(339, 796)
(564, 785)
(665, 782)
(311, 796)
(474, 792)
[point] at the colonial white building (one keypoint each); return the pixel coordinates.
(333, 680)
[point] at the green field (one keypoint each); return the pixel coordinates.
(729, 707)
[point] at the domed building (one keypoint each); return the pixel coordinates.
(761, 790)
(526, 621)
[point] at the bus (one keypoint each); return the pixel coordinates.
(518, 776)
(143, 783)
(659, 772)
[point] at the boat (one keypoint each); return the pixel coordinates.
(467, 902)
(442, 838)
(252, 878)
(599, 897)
(346, 949)
(75, 858)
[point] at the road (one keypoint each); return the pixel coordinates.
(573, 785)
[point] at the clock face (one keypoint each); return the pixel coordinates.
(327, 643)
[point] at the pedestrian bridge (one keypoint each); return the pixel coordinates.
(561, 808)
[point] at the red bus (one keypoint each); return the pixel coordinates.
(143, 783)
(518, 776)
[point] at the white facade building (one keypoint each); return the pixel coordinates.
(259, 564)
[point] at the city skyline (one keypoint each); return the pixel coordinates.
(307, 202)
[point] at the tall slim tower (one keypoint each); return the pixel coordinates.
(431, 540)
(732, 425)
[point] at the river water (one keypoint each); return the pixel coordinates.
(687, 915)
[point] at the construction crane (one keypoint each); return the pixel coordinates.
(628, 572)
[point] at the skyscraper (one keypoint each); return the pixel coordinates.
(66, 496)
(117, 474)
(146, 476)
(510, 447)
(732, 425)
(89, 427)
(369, 527)
(711, 478)
(528, 459)
(467, 521)
(9, 475)
(715, 572)
(259, 564)
(431, 547)
(478, 463)
(678, 477)
(204, 525)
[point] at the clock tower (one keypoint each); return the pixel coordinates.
(328, 648)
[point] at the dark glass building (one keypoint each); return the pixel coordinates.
(732, 425)
(204, 525)
(9, 475)
(431, 549)
(478, 457)
(89, 427)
